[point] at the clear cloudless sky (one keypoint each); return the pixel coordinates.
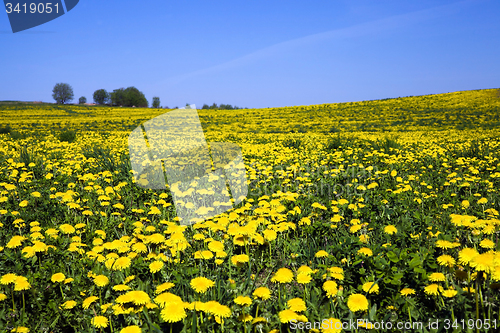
(256, 53)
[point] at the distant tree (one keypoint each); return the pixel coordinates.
(82, 100)
(226, 107)
(220, 107)
(118, 97)
(128, 97)
(134, 97)
(156, 102)
(101, 96)
(62, 93)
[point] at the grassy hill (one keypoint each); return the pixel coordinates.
(475, 109)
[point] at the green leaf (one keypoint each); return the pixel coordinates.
(357, 262)
(373, 313)
(420, 270)
(415, 262)
(396, 280)
(392, 257)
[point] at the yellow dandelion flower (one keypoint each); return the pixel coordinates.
(283, 275)
(129, 278)
(138, 297)
(21, 283)
(331, 325)
(131, 329)
(203, 255)
(371, 287)
(331, 288)
(164, 287)
(8, 278)
(68, 305)
(121, 263)
(167, 298)
(100, 233)
(449, 293)
(243, 300)
(466, 255)
(364, 238)
(262, 293)
(446, 260)
(270, 235)
(156, 266)
(365, 251)
(321, 254)
(121, 287)
(433, 289)
(201, 284)
(437, 277)
(304, 278)
(304, 269)
(489, 229)
(216, 246)
(483, 262)
(390, 229)
(172, 313)
(88, 301)
(217, 309)
(487, 244)
(101, 280)
(15, 241)
(67, 228)
(239, 259)
(355, 228)
(357, 302)
(244, 317)
(58, 277)
(100, 322)
(407, 291)
(287, 316)
(296, 305)
(482, 201)
(140, 248)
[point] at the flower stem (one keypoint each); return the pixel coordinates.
(24, 312)
(13, 304)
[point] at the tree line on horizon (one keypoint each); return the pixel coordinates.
(129, 97)
(220, 107)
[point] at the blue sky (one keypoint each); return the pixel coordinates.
(257, 53)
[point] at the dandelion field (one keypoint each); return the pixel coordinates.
(378, 210)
